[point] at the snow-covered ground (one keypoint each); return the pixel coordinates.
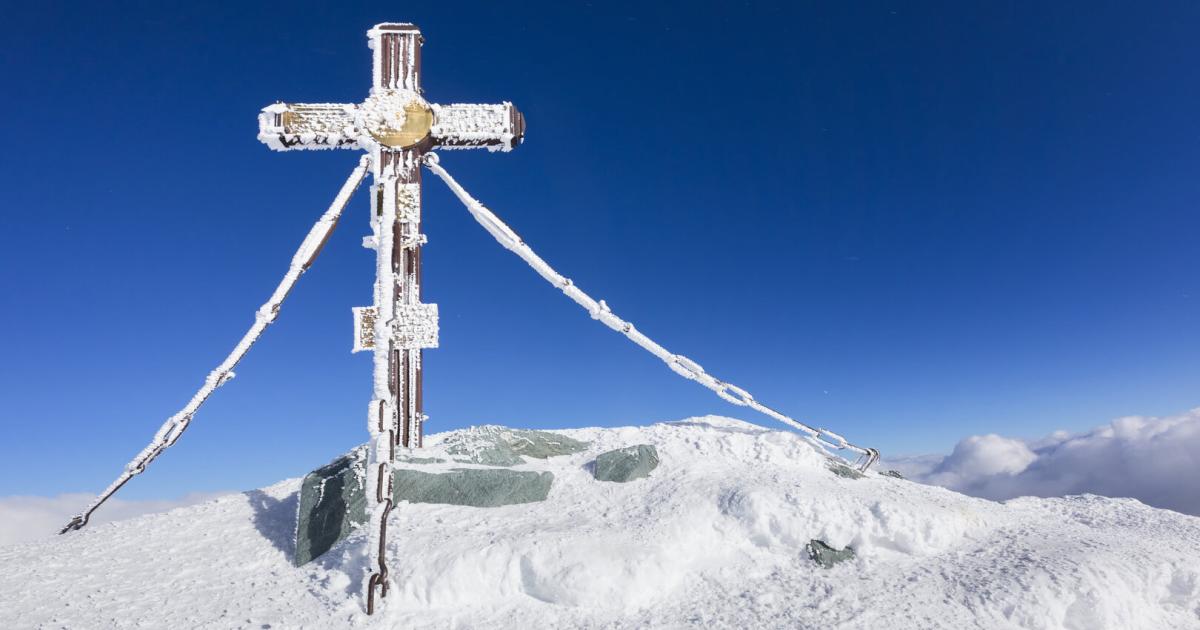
(714, 538)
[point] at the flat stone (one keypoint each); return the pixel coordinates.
(827, 556)
(474, 487)
(892, 473)
(408, 459)
(492, 445)
(625, 464)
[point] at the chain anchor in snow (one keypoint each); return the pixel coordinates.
(379, 579)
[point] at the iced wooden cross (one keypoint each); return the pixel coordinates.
(396, 126)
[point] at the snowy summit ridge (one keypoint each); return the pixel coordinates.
(716, 536)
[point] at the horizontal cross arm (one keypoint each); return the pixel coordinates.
(296, 126)
(465, 126)
(293, 126)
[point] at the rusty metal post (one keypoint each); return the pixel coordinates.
(395, 419)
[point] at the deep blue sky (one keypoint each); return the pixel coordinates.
(908, 222)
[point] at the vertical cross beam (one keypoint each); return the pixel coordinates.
(396, 414)
(396, 223)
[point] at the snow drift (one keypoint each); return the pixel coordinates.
(714, 537)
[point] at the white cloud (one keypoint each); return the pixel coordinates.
(1154, 460)
(24, 518)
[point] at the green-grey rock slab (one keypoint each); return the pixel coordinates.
(332, 501)
(492, 445)
(625, 464)
(827, 556)
(845, 471)
(408, 459)
(474, 487)
(542, 444)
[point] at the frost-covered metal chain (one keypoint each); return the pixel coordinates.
(174, 427)
(825, 439)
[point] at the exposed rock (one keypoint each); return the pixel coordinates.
(542, 444)
(409, 459)
(827, 556)
(892, 473)
(500, 446)
(474, 487)
(626, 464)
(845, 471)
(332, 502)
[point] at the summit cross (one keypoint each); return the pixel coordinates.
(398, 129)
(395, 125)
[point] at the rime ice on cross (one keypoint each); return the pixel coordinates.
(396, 126)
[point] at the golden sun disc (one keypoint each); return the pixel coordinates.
(418, 120)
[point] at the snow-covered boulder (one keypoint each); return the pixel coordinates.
(844, 471)
(625, 464)
(827, 556)
(493, 445)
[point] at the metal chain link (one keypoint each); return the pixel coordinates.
(173, 428)
(825, 439)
